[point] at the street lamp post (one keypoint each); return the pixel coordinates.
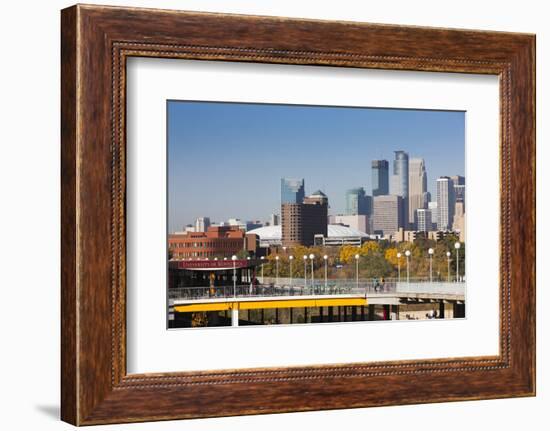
(262, 266)
(357, 271)
(234, 311)
(234, 259)
(431, 253)
(407, 255)
(325, 257)
(399, 267)
(449, 266)
(312, 256)
(290, 259)
(457, 247)
(305, 270)
(276, 270)
(248, 273)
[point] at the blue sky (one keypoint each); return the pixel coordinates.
(226, 159)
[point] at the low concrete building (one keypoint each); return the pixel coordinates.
(402, 235)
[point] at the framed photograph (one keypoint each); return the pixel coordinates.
(265, 215)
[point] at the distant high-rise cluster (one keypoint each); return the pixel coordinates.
(400, 202)
(400, 207)
(415, 211)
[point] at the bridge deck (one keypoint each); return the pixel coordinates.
(265, 303)
(299, 301)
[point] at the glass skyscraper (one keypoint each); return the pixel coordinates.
(400, 182)
(356, 202)
(380, 177)
(445, 203)
(400, 177)
(292, 191)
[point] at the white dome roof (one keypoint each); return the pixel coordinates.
(267, 232)
(334, 231)
(339, 231)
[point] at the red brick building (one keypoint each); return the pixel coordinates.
(217, 241)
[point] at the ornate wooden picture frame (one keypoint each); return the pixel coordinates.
(96, 41)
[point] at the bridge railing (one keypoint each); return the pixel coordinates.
(263, 290)
(335, 287)
(452, 288)
(286, 281)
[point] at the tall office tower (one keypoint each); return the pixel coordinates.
(445, 203)
(368, 203)
(458, 180)
(460, 193)
(302, 221)
(380, 178)
(292, 191)
(356, 202)
(460, 196)
(314, 217)
(423, 220)
(418, 187)
(292, 199)
(459, 184)
(432, 206)
(458, 220)
(202, 224)
(370, 211)
(399, 183)
(387, 214)
(274, 220)
(291, 224)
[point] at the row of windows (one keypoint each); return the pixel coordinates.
(194, 254)
(216, 244)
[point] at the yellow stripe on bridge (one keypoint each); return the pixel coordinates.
(283, 303)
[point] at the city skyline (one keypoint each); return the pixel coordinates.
(252, 134)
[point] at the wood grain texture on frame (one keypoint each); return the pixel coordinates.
(95, 42)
